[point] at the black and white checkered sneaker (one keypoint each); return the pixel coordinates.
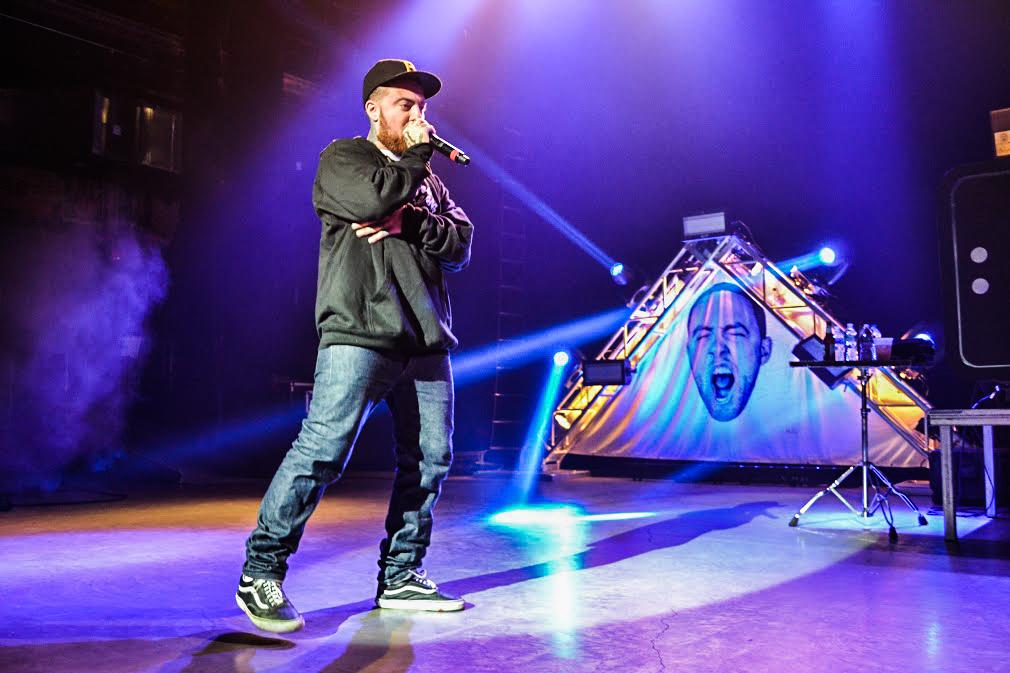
(417, 592)
(263, 600)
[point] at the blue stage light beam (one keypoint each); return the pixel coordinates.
(532, 452)
(229, 437)
(471, 366)
(617, 516)
(548, 516)
(544, 516)
(824, 256)
(494, 171)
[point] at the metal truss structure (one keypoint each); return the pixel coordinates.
(788, 296)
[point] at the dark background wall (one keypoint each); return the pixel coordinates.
(812, 122)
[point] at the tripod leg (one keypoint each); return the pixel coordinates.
(820, 494)
(893, 489)
(880, 500)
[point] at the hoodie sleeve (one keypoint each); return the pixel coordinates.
(353, 187)
(445, 235)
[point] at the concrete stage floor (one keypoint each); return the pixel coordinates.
(700, 578)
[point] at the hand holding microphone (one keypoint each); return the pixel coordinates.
(420, 131)
(417, 131)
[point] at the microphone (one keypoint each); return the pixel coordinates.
(449, 150)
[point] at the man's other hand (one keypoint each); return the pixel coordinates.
(390, 225)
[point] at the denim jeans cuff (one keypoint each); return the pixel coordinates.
(395, 574)
(260, 575)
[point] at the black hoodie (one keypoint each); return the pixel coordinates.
(390, 295)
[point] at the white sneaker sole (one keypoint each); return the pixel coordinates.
(271, 625)
(419, 605)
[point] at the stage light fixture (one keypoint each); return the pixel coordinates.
(705, 226)
(617, 273)
(561, 358)
(564, 419)
(606, 372)
(828, 256)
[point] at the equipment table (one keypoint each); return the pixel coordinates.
(945, 419)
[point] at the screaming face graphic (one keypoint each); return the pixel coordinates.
(726, 346)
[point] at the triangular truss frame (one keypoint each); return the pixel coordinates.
(787, 296)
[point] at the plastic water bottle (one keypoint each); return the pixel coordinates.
(839, 342)
(874, 335)
(850, 342)
(865, 343)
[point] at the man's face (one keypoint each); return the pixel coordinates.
(400, 102)
(726, 350)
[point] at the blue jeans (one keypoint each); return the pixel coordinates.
(349, 383)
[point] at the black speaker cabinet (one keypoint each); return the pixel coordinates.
(975, 268)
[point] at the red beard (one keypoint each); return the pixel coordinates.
(392, 142)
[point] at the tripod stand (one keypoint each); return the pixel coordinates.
(869, 471)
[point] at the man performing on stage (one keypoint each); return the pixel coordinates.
(389, 233)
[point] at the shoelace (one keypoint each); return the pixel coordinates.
(272, 592)
(421, 578)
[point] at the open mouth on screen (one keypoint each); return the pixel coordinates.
(722, 384)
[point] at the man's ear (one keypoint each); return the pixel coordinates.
(766, 349)
(372, 110)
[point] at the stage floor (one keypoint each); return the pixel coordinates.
(695, 578)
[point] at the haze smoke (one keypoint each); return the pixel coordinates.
(81, 299)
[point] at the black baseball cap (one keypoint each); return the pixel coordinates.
(388, 69)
